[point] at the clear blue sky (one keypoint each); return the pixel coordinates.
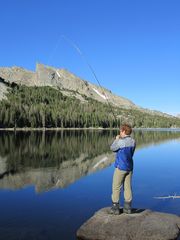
(133, 45)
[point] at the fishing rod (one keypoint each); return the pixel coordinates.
(89, 66)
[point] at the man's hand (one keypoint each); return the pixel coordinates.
(118, 137)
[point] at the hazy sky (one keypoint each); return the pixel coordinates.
(132, 45)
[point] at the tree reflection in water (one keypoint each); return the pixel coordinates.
(57, 158)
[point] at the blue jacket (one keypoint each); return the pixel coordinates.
(124, 148)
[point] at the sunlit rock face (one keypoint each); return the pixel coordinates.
(66, 82)
(3, 90)
(17, 75)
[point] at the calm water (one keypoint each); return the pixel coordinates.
(51, 183)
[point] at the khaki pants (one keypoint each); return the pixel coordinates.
(121, 179)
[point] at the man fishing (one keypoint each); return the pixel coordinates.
(124, 146)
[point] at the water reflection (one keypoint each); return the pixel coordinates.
(50, 160)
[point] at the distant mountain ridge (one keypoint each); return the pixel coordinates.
(64, 81)
(67, 83)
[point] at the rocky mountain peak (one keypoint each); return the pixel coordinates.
(63, 80)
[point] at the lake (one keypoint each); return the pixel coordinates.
(52, 182)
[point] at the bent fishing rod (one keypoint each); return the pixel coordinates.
(84, 58)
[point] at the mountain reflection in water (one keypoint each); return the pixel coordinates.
(55, 159)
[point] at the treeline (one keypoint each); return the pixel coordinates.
(46, 107)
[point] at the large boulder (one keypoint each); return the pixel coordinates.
(140, 225)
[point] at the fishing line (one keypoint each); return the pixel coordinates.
(91, 69)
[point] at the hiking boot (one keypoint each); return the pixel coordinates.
(115, 209)
(127, 208)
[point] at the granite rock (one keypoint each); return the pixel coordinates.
(140, 225)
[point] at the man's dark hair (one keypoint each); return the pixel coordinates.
(127, 128)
